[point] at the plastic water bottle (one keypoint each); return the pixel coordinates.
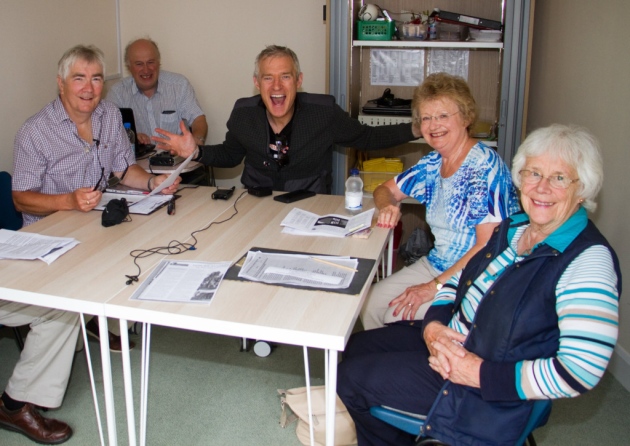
(131, 135)
(354, 192)
(433, 29)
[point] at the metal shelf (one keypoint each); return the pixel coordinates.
(428, 44)
(376, 120)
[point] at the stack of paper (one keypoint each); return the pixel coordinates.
(141, 203)
(331, 272)
(28, 246)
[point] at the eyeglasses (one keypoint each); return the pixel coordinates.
(555, 181)
(440, 119)
(112, 181)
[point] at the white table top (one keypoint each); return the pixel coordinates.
(320, 319)
(93, 273)
(84, 278)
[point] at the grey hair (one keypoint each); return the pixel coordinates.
(87, 53)
(574, 146)
(276, 51)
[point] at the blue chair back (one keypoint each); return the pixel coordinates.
(405, 421)
(538, 417)
(9, 217)
(411, 423)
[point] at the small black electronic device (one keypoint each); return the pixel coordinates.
(259, 191)
(223, 194)
(296, 195)
(162, 159)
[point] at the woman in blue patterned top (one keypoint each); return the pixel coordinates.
(466, 188)
(533, 316)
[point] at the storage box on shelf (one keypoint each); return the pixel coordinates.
(375, 30)
(413, 31)
(449, 32)
(376, 171)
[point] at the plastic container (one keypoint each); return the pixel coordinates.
(375, 30)
(354, 192)
(131, 135)
(451, 32)
(485, 35)
(378, 170)
(372, 180)
(414, 31)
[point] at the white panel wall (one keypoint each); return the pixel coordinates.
(579, 75)
(215, 43)
(212, 43)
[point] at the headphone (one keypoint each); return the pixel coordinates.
(369, 12)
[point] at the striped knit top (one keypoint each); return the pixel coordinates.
(587, 302)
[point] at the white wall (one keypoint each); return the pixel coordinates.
(34, 36)
(215, 43)
(579, 74)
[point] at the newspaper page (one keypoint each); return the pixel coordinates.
(314, 271)
(182, 281)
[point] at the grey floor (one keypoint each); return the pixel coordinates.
(203, 391)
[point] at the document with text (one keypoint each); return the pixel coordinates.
(182, 281)
(173, 176)
(138, 203)
(314, 271)
(20, 245)
(302, 222)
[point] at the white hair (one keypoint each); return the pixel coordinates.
(573, 145)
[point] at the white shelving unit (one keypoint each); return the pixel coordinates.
(496, 76)
(427, 44)
(497, 69)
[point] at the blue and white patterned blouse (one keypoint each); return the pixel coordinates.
(481, 191)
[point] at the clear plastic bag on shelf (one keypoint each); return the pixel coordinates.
(454, 62)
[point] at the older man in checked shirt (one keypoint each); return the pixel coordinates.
(63, 157)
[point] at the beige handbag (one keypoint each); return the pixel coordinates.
(294, 400)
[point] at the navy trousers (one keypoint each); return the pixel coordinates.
(388, 366)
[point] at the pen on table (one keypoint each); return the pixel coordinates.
(317, 259)
(126, 192)
(355, 229)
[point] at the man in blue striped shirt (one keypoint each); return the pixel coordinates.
(159, 99)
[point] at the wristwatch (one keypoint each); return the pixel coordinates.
(199, 154)
(438, 284)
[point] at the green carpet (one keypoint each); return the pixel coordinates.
(203, 391)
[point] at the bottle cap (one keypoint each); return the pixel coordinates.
(354, 171)
(127, 125)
